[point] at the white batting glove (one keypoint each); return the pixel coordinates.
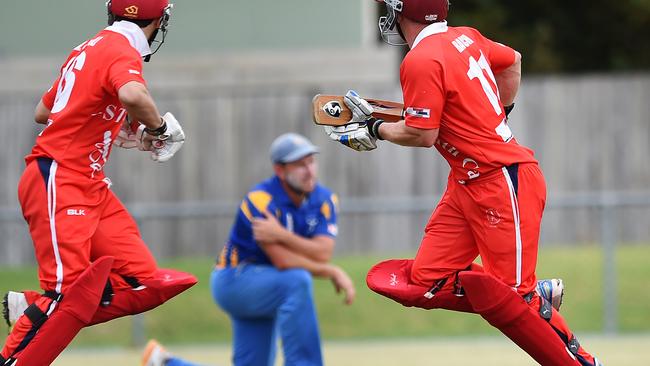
(167, 144)
(361, 109)
(355, 133)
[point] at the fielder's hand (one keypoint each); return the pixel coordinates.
(268, 229)
(357, 133)
(162, 147)
(342, 281)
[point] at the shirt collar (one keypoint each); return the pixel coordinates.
(281, 195)
(434, 28)
(134, 34)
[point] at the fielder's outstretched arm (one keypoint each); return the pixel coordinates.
(284, 258)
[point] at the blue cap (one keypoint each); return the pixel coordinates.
(291, 147)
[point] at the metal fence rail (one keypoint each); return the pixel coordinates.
(606, 202)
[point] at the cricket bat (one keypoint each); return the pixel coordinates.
(330, 110)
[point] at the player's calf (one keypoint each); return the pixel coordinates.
(47, 328)
(547, 312)
(518, 320)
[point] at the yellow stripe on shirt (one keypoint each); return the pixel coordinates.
(246, 210)
(326, 210)
(260, 199)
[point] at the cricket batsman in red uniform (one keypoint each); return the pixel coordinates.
(92, 263)
(458, 88)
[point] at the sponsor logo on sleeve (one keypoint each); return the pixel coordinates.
(333, 229)
(418, 112)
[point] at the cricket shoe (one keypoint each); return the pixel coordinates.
(552, 290)
(154, 354)
(13, 306)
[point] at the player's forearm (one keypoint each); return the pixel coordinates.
(285, 258)
(139, 105)
(508, 81)
(401, 134)
(318, 249)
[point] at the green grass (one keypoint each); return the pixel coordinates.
(193, 317)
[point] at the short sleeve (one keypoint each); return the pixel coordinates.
(423, 90)
(123, 69)
(327, 217)
(255, 203)
(500, 56)
(50, 95)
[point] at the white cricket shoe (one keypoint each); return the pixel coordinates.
(552, 290)
(154, 354)
(13, 306)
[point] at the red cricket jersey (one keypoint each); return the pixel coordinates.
(86, 114)
(448, 83)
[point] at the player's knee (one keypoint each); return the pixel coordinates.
(298, 279)
(422, 275)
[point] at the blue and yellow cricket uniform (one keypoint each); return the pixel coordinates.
(262, 301)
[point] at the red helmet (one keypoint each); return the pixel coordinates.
(137, 9)
(419, 11)
(425, 11)
(143, 10)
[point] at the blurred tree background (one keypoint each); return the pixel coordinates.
(577, 36)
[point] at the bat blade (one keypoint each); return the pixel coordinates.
(330, 110)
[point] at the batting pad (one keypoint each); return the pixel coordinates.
(504, 309)
(392, 279)
(78, 305)
(165, 284)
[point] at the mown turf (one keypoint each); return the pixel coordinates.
(193, 317)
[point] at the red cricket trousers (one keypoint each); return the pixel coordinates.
(498, 217)
(74, 220)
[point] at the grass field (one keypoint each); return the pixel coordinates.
(456, 351)
(374, 321)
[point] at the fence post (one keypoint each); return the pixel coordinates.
(137, 330)
(608, 229)
(137, 320)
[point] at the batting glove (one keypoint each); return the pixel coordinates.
(167, 144)
(361, 109)
(353, 135)
(361, 132)
(162, 146)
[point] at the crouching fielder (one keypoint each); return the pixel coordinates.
(92, 263)
(455, 84)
